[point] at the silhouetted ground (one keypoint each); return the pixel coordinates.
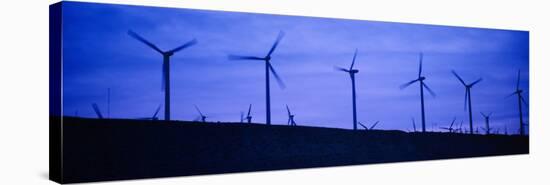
(97, 150)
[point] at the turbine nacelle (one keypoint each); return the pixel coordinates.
(168, 54)
(519, 91)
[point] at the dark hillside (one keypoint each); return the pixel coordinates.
(96, 150)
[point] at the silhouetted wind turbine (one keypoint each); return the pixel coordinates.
(242, 116)
(369, 128)
(468, 97)
(290, 117)
(202, 116)
(487, 127)
(414, 124)
(422, 86)
(520, 101)
(248, 116)
(165, 67)
(268, 68)
(450, 128)
(352, 73)
(460, 126)
(154, 117)
(97, 111)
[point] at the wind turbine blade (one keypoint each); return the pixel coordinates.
(524, 102)
(353, 61)
(341, 69)
(490, 113)
(249, 108)
(512, 94)
(429, 90)
(414, 124)
(198, 110)
(452, 123)
(407, 84)
(279, 37)
(517, 83)
(420, 66)
(483, 114)
(186, 45)
(143, 40)
(477, 81)
(366, 128)
(279, 81)
(157, 111)
(239, 57)
(460, 79)
(288, 110)
(97, 111)
(374, 125)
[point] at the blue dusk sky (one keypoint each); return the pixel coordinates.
(99, 54)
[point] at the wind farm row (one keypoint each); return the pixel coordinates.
(352, 72)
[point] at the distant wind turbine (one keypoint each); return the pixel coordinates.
(165, 67)
(290, 117)
(369, 128)
(155, 115)
(468, 97)
(422, 86)
(248, 116)
(450, 128)
(242, 117)
(414, 124)
(460, 126)
(520, 101)
(97, 111)
(487, 127)
(202, 117)
(268, 68)
(352, 73)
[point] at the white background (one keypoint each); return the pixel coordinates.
(24, 92)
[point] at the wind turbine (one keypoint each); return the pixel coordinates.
(202, 117)
(520, 101)
(242, 116)
(352, 73)
(487, 117)
(422, 86)
(450, 128)
(468, 96)
(165, 67)
(460, 126)
(154, 117)
(97, 111)
(248, 116)
(369, 128)
(414, 124)
(290, 117)
(268, 68)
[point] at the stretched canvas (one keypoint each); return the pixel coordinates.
(144, 92)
